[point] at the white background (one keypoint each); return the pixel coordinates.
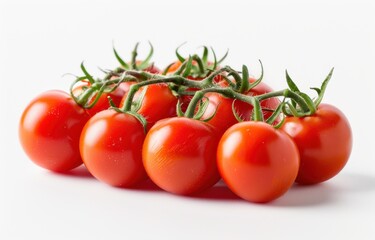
(42, 40)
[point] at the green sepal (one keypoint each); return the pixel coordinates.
(317, 90)
(215, 59)
(236, 77)
(181, 68)
(205, 55)
(165, 71)
(291, 111)
(245, 80)
(140, 118)
(238, 117)
(275, 114)
(145, 62)
(254, 84)
(200, 68)
(179, 57)
(98, 94)
(133, 61)
(224, 57)
(323, 88)
(309, 102)
(292, 86)
(87, 75)
(188, 68)
(179, 111)
(112, 104)
(138, 102)
(280, 124)
(201, 108)
(78, 79)
(211, 116)
(120, 60)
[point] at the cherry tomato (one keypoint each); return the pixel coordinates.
(257, 162)
(324, 141)
(158, 103)
(224, 117)
(103, 103)
(179, 155)
(111, 148)
(49, 131)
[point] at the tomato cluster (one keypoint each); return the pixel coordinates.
(186, 127)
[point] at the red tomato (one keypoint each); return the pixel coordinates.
(224, 117)
(324, 141)
(158, 103)
(111, 148)
(49, 131)
(257, 162)
(179, 155)
(103, 103)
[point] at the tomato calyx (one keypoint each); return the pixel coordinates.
(302, 104)
(198, 67)
(134, 64)
(93, 89)
(132, 112)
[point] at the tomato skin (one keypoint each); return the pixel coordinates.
(257, 162)
(158, 103)
(152, 69)
(111, 148)
(224, 117)
(324, 141)
(179, 155)
(103, 103)
(49, 131)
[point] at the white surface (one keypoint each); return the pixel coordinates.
(41, 40)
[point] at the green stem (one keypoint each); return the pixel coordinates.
(84, 97)
(200, 63)
(134, 57)
(286, 93)
(193, 103)
(174, 79)
(228, 92)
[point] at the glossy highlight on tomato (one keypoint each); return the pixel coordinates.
(324, 141)
(49, 131)
(257, 162)
(111, 148)
(179, 155)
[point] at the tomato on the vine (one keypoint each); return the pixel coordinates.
(49, 131)
(257, 162)
(222, 109)
(324, 141)
(179, 155)
(111, 148)
(157, 102)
